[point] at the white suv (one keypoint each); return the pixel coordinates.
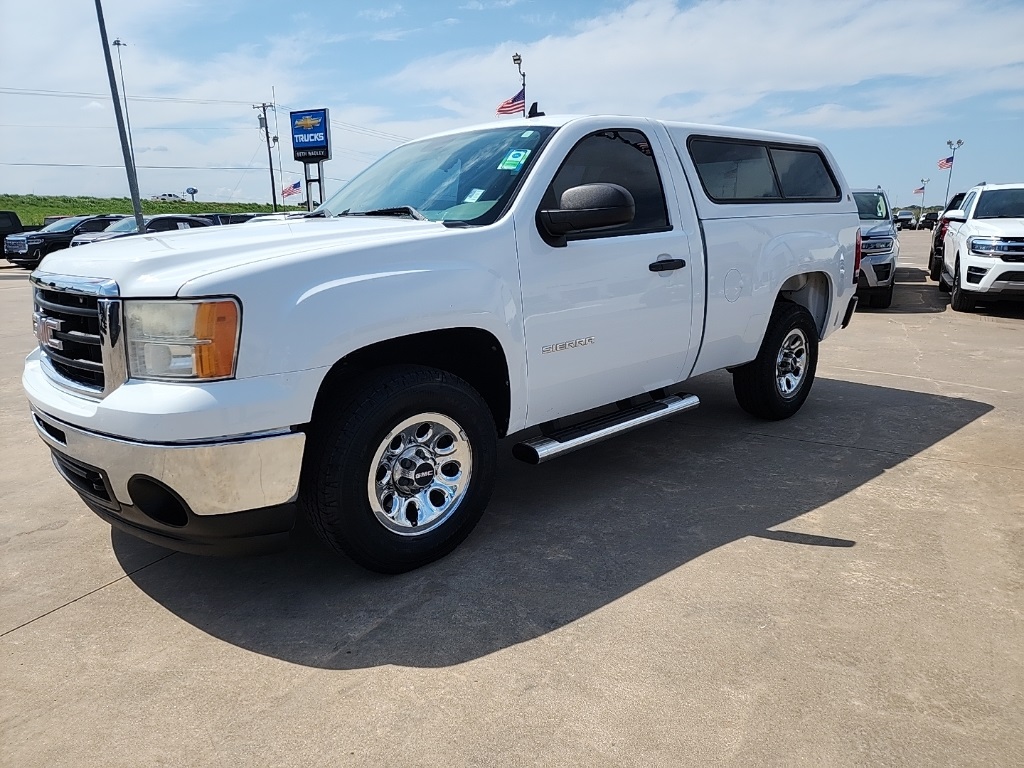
(983, 250)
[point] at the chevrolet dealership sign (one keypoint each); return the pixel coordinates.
(311, 135)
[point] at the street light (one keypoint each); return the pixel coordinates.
(953, 147)
(924, 192)
(124, 94)
(518, 61)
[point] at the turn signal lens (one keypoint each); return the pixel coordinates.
(217, 325)
(858, 252)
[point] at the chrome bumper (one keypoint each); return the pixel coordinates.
(212, 478)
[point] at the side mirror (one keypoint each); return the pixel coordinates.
(588, 207)
(955, 215)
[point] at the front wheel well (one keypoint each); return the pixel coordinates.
(472, 354)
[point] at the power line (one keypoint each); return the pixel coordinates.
(179, 100)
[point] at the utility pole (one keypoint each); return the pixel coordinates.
(270, 157)
(129, 163)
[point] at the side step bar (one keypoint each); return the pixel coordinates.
(540, 449)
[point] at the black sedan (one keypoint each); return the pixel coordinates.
(27, 250)
(170, 222)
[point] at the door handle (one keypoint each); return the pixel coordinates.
(666, 265)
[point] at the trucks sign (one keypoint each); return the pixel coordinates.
(311, 135)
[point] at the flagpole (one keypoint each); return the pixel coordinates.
(949, 178)
(518, 61)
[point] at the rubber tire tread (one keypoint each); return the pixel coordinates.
(882, 300)
(754, 383)
(934, 268)
(959, 299)
(341, 443)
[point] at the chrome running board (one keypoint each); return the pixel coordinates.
(540, 449)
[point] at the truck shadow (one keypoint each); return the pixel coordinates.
(564, 539)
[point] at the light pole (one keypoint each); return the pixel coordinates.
(518, 61)
(124, 95)
(129, 164)
(954, 147)
(924, 193)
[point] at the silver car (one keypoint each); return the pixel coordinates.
(880, 248)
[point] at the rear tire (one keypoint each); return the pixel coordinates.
(934, 268)
(774, 384)
(959, 299)
(399, 468)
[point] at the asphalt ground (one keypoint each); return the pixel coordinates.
(843, 588)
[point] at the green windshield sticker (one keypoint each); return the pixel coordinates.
(514, 160)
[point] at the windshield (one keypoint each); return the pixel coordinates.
(1000, 204)
(871, 206)
(63, 225)
(465, 177)
(126, 224)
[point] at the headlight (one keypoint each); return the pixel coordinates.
(175, 340)
(985, 246)
(875, 246)
(34, 241)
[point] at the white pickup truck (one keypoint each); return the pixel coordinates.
(551, 278)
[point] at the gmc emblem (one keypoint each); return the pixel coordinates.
(45, 327)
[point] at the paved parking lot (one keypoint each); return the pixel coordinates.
(841, 588)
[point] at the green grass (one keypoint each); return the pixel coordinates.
(31, 209)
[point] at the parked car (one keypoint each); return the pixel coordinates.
(556, 274)
(127, 226)
(168, 197)
(880, 247)
(927, 220)
(905, 220)
(939, 234)
(10, 224)
(29, 249)
(983, 249)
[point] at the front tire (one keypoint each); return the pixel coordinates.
(959, 299)
(400, 468)
(882, 299)
(774, 384)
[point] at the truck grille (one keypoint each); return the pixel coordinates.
(1011, 249)
(68, 329)
(1011, 277)
(88, 481)
(15, 245)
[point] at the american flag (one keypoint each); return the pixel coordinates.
(919, 191)
(292, 189)
(511, 106)
(946, 163)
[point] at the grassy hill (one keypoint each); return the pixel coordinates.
(31, 209)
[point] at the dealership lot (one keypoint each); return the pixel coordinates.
(844, 587)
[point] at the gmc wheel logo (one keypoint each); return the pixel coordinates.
(45, 327)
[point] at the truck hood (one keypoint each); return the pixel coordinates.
(997, 227)
(159, 264)
(876, 229)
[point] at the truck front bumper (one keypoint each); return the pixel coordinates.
(212, 497)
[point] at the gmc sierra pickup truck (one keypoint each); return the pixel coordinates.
(552, 279)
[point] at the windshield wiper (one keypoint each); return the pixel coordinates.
(398, 210)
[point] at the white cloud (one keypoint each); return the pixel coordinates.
(380, 14)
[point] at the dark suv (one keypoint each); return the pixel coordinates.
(928, 220)
(28, 250)
(939, 233)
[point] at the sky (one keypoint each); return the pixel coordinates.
(883, 84)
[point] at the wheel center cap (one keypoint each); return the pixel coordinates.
(413, 471)
(424, 475)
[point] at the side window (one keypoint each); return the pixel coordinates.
(94, 225)
(162, 225)
(802, 173)
(6, 220)
(967, 203)
(620, 157)
(732, 171)
(183, 225)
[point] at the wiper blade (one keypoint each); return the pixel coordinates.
(398, 210)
